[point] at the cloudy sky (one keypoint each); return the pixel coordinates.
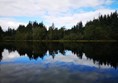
(61, 12)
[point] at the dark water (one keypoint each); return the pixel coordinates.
(31, 62)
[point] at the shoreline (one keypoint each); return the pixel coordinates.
(79, 41)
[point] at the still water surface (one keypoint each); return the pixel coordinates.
(30, 62)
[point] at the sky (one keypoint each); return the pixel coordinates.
(60, 12)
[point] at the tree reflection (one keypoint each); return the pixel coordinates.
(1, 50)
(104, 53)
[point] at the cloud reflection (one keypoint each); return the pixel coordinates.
(54, 73)
(72, 58)
(66, 68)
(69, 57)
(9, 56)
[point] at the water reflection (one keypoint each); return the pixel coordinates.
(29, 62)
(98, 53)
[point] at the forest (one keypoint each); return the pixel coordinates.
(105, 27)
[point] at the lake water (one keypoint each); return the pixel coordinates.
(29, 62)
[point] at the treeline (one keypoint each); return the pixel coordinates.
(103, 28)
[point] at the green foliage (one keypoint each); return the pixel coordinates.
(55, 33)
(105, 27)
(96, 33)
(39, 33)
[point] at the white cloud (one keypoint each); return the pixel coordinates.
(67, 20)
(60, 12)
(39, 7)
(71, 20)
(8, 22)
